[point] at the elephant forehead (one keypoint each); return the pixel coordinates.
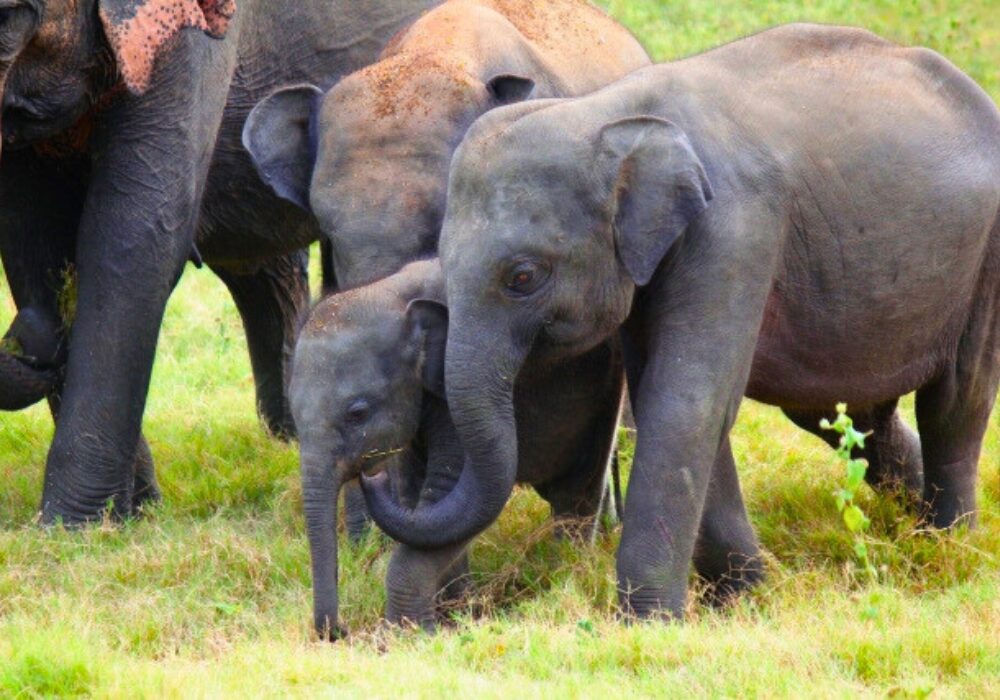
(403, 89)
(348, 361)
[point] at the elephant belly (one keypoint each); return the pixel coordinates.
(864, 338)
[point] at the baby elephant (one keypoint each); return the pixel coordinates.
(367, 391)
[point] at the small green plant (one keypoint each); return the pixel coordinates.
(854, 518)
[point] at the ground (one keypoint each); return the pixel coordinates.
(208, 595)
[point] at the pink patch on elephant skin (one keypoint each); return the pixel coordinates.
(137, 40)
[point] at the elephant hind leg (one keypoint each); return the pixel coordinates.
(953, 414)
(892, 449)
(584, 492)
(272, 301)
(726, 554)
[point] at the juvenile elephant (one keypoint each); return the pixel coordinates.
(121, 130)
(370, 157)
(806, 216)
(368, 386)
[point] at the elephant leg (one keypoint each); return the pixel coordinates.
(40, 206)
(583, 492)
(576, 499)
(272, 302)
(726, 554)
(953, 414)
(135, 234)
(419, 581)
(145, 488)
(423, 583)
(892, 450)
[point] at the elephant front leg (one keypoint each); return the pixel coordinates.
(419, 583)
(699, 320)
(422, 583)
(136, 229)
(272, 302)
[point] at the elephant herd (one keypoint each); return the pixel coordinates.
(520, 217)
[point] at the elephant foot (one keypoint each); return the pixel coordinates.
(423, 586)
(573, 528)
(146, 490)
(741, 574)
(70, 504)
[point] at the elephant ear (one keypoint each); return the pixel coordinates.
(427, 324)
(138, 30)
(659, 187)
(280, 135)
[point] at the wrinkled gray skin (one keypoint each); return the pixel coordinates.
(806, 216)
(370, 157)
(120, 178)
(367, 389)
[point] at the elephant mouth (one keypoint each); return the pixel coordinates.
(373, 462)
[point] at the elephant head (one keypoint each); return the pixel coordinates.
(551, 225)
(58, 58)
(361, 366)
(370, 157)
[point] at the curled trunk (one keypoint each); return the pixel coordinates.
(480, 387)
(22, 385)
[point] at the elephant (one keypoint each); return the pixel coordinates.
(368, 388)
(122, 123)
(370, 157)
(807, 216)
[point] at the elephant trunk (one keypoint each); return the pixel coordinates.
(321, 483)
(30, 375)
(480, 388)
(21, 385)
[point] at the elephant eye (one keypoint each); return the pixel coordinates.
(525, 277)
(359, 411)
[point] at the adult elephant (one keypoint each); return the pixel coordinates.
(121, 126)
(809, 215)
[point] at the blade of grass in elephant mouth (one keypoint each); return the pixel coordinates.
(375, 459)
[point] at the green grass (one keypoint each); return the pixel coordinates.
(209, 596)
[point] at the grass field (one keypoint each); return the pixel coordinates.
(208, 595)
